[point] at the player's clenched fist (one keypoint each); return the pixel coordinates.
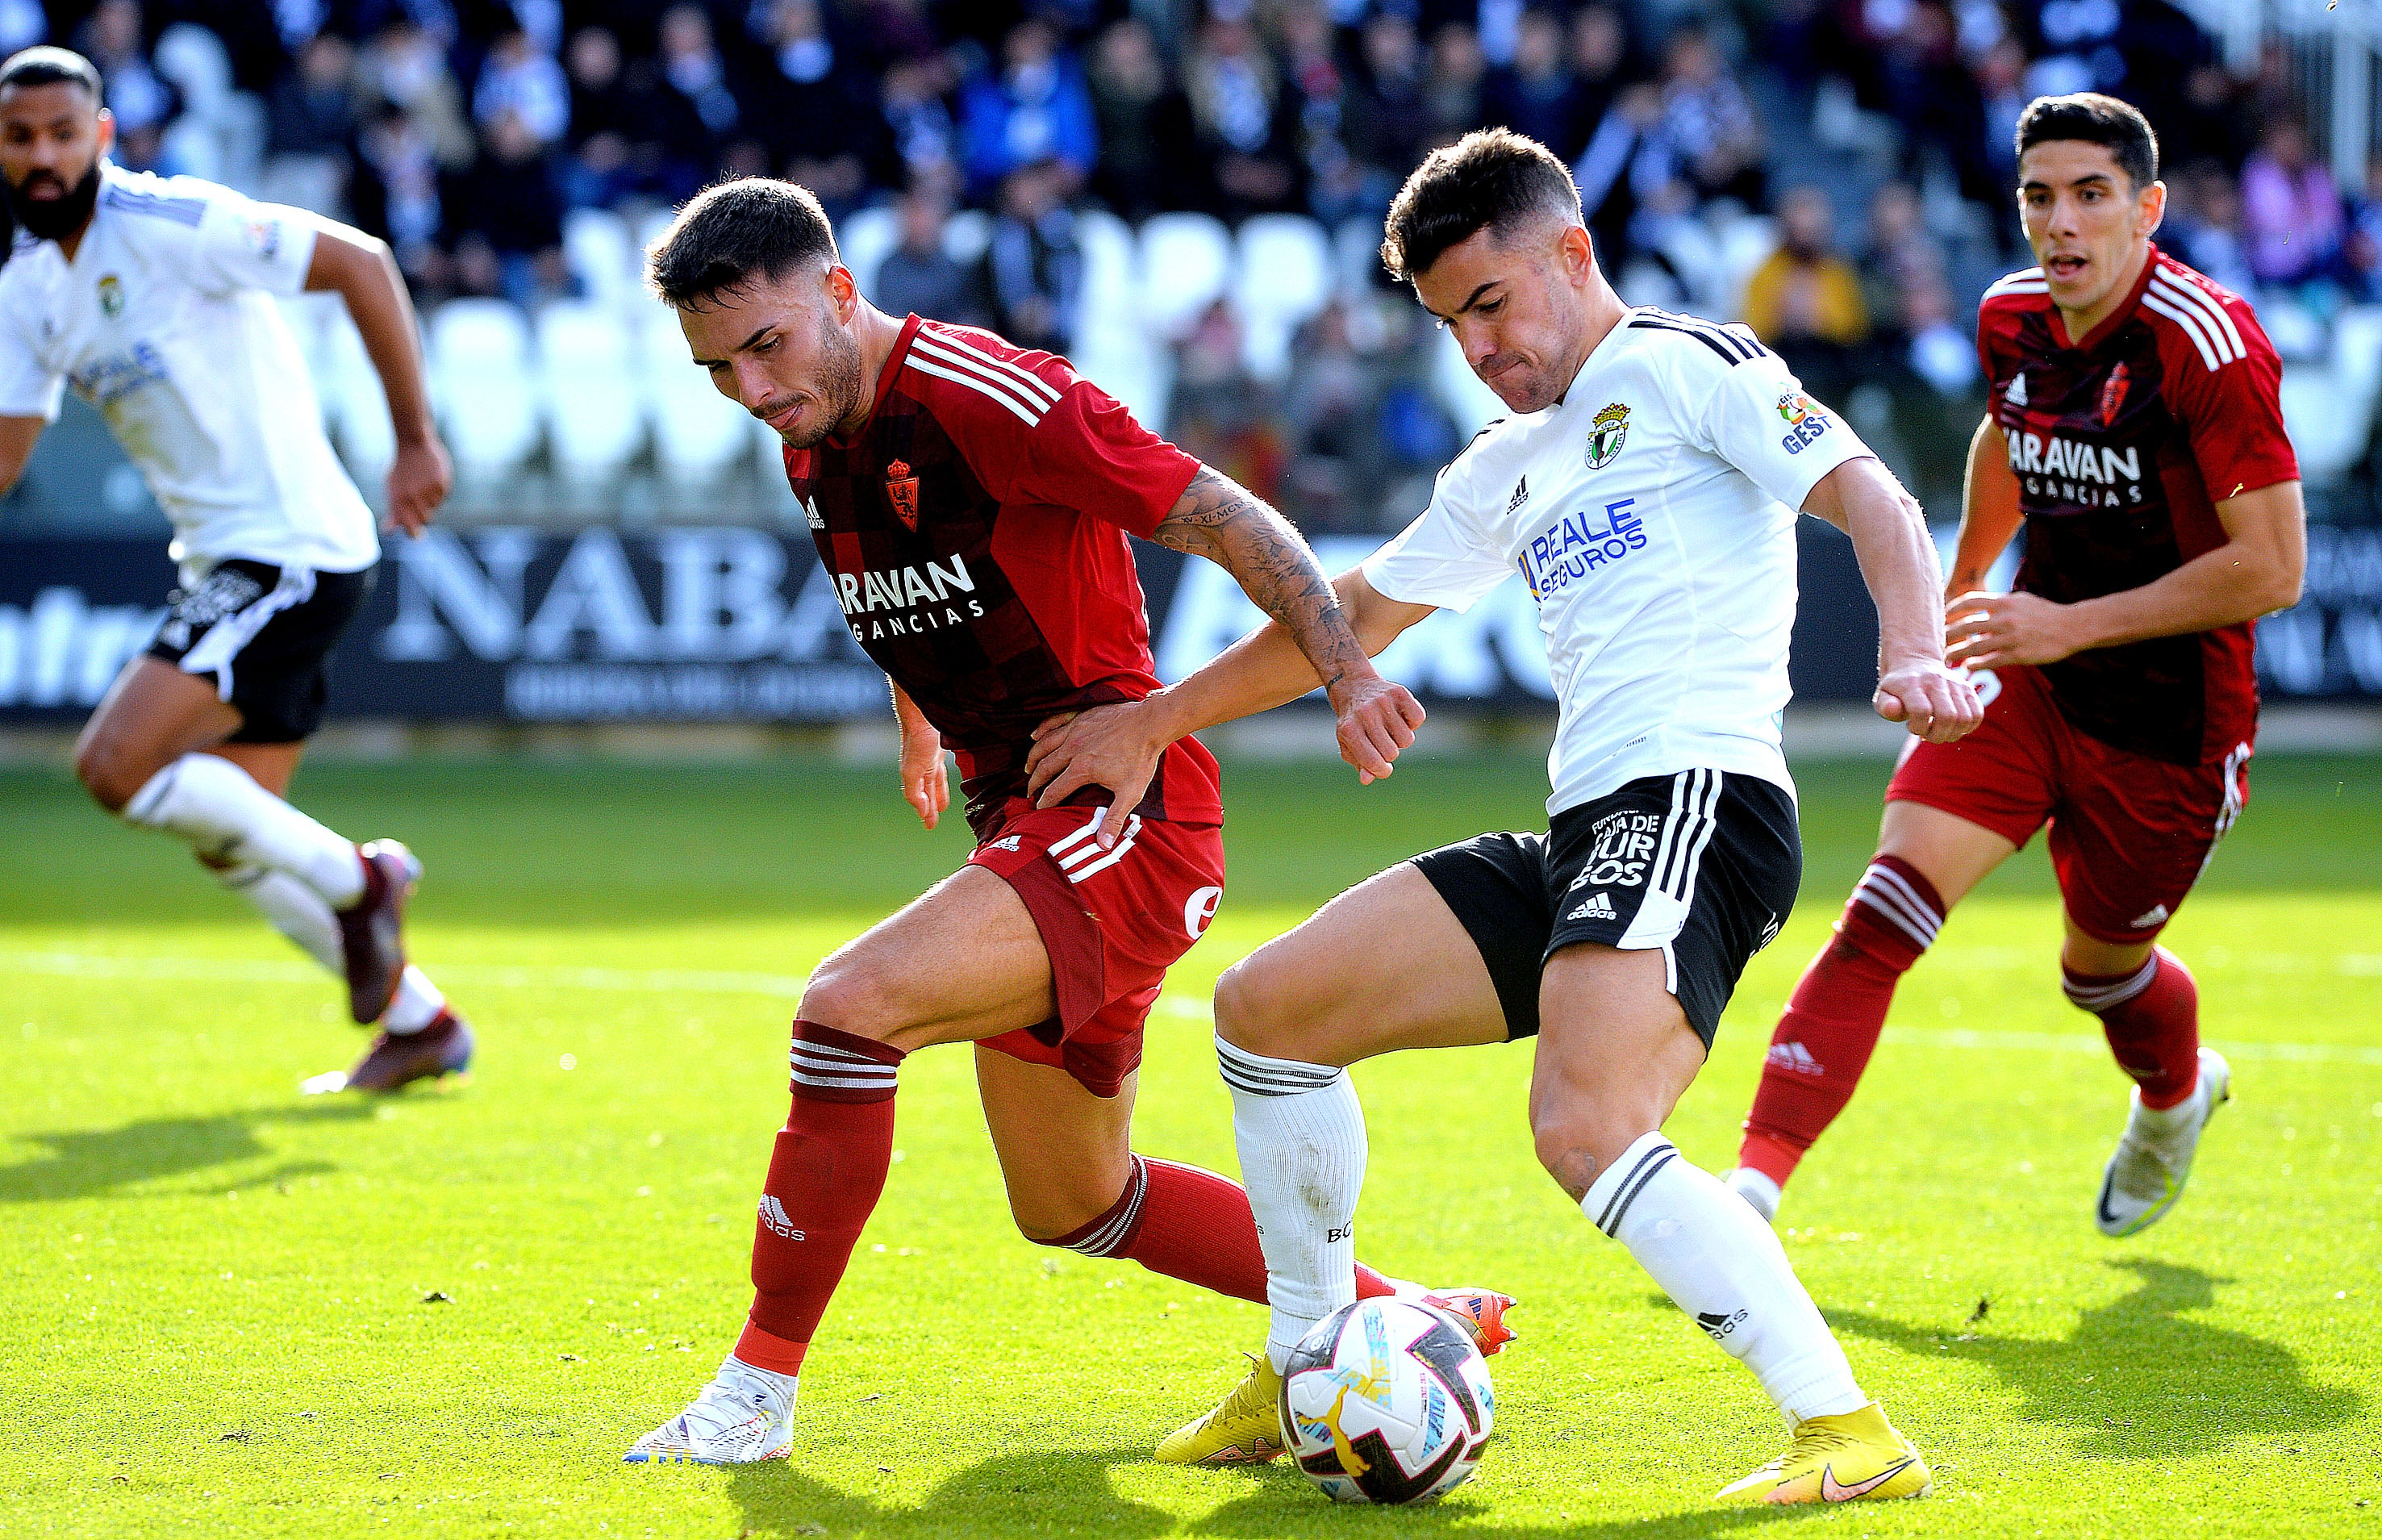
(418, 482)
(1938, 702)
(1378, 718)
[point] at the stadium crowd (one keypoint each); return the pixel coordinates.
(1831, 171)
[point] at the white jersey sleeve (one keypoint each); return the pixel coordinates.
(1448, 558)
(1755, 415)
(241, 243)
(28, 386)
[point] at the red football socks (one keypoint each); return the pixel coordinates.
(2152, 1019)
(1824, 1041)
(825, 1179)
(1191, 1225)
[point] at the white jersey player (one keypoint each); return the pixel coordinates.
(1646, 489)
(153, 299)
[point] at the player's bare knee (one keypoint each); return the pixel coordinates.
(1578, 1140)
(112, 773)
(1250, 1012)
(851, 996)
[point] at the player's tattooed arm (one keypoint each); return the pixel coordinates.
(1219, 518)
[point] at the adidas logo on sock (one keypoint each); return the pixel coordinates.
(2156, 914)
(1719, 1325)
(774, 1215)
(1794, 1056)
(1599, 906)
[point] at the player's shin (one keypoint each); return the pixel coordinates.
(1301, 1137)
(2152, 1018)
(825, 1177)
(1719, 1262)
(1832, 1023)
(221, 811)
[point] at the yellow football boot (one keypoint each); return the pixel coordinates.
(1245, 1429)
(1854, 1456)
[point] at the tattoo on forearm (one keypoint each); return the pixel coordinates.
(1220, 520)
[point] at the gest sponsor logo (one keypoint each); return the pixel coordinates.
(1805, 422)
(1578, 543)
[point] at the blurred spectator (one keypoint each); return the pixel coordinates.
(1709, 121)
(1452, 89)
(113, 39)
(919, 277)
(1536, 94)
(404, 67)
(816, 111)
(1629, 163)
(2202, 227)
(1599, 57)
(309, 127)
(1222, 415)
(1332, 407)
(920, 143)
(503, 218)
(1927, 366)
(23, 24)
(1145, 123)
(1900, 253)
(1032, 268)
(522, 78)
(610, 150)
(1236, 98)
(396, 191)
(1320, 96)
(1389, 126)
(2210, 121)
(1037, 108)
(1806, 302)
(696, 115)
(2364, 245)
(2291, 208)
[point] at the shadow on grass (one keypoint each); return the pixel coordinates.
(87, 1163)
(1072, 1491)
(2138, 1379)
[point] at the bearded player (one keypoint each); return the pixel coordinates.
(154, 299)
(973, 500)
(1646, 487)
(2137, 434)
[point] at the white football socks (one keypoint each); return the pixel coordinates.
(1301, 1137)
(1718, 1262)
(222, 812)
(299, 913)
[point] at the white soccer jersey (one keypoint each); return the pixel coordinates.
(1651, 512)
(165, 321)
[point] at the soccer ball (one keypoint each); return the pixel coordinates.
(1387, 1401)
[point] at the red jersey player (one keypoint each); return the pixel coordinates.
(2137, 432)
(973, 502)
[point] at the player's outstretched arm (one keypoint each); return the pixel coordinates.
(1231, 527)
(925, 783)
(16, 436)
(1897, 560)
(2258, 571)
(1990, 514)
(360, 268)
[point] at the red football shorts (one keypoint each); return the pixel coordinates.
(2129, 835)
(1112, 922)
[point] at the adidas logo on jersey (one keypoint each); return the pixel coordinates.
(774, 1215)
(811, 509)
(2156, 914)
(2016, 394)
(1005, 843)
(1521, 494)
(1794, 1056)
(1599, 906)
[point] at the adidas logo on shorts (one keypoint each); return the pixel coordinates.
(1599, 906)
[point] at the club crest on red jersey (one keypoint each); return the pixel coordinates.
(902, 490)
(2113, 395)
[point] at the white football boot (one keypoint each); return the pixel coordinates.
(744, 1415)
(2152, 1160)
(1759, 1191)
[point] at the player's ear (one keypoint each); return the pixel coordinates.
(1578, 254)
(2151, 210)
(106, 131)
(843, 290)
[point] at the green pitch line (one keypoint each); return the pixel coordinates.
(216, 1298)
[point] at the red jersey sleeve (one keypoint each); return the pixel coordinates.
(2224, 382)
(1087, 453)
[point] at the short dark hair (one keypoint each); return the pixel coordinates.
(47, 66)
(1491, 179)
(2095, 120)
(729, 234)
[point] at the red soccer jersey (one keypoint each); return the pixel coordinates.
(977, 531)
(2122, 444)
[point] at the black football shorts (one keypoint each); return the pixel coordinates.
(1701, 865)
(265, 633)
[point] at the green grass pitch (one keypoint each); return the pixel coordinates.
(228, 1310)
